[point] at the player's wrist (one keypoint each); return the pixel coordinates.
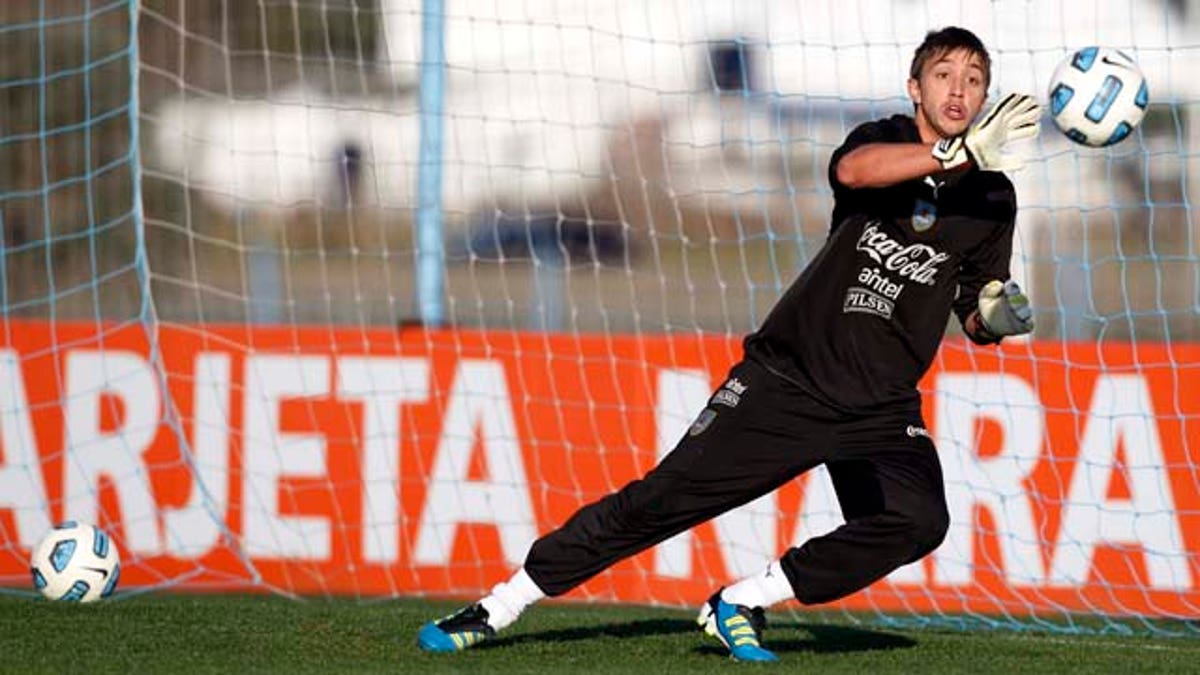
(952, 153)
(978, 331)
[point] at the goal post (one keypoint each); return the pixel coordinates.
(360, 297)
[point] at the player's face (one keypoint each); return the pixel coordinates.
(949, 94)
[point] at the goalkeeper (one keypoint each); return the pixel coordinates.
(922, 225)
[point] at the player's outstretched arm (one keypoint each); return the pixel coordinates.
(986, 145)
(882, 164)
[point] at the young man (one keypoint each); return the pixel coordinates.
(922, 226)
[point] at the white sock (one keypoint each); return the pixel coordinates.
(508, 599)
(760, 590)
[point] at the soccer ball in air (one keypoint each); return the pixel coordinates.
(75, 562)
(1097, 96)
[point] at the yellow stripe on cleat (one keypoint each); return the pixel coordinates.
(745, 641)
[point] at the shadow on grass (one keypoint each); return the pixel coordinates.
(624, 629)
(824, 639)
(828, 639)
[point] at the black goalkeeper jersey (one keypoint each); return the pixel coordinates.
(863, 321)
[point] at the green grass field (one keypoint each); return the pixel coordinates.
(237, 634)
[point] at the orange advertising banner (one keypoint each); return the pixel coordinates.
(376, 462)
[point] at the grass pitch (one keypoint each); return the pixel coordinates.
(243, 633)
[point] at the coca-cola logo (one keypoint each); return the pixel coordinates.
(917, 262)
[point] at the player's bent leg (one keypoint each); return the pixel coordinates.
(738, 627)
(461, 630)
(745, 444)
(896, 513)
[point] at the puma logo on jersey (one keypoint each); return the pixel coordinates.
(935, 184)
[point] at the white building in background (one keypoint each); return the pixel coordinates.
(538, 90)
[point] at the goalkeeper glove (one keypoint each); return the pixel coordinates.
(1012, 119)
(1004, 309)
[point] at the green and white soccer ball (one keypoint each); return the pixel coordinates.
(1098, 96)
(75, 562)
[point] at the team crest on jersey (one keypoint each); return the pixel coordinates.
(924, 215)
(704, 419)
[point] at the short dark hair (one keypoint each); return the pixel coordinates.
(938, 43)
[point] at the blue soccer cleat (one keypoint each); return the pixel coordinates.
(465, 628)
(738, 627)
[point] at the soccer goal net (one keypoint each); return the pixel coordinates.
(360, 297)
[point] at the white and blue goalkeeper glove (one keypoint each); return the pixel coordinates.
(1014, 118)
(1004, 309)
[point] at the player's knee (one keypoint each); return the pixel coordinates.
(930, 529)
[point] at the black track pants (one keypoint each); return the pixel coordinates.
(884, 468)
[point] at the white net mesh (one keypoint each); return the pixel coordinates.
(214, 345)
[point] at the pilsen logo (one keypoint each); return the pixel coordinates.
(916, 262)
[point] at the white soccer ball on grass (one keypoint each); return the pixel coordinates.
(75, 562)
